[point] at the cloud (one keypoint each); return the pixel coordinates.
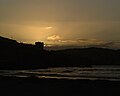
(115, 45)
(60, 40)
(57, 40)
(54, 38)
(48, 28)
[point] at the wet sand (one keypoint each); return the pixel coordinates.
(14, 86)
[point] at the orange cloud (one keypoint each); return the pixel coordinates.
(54, 38)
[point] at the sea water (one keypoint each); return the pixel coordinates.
(91, 73)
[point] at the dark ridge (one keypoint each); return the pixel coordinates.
(7, 42)
(16, 55)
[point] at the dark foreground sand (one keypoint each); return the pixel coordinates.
(13, 86)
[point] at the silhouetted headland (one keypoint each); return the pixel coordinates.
(15, 55)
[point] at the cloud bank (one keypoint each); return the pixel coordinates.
(57, 42)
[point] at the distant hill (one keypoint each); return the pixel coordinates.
(16, 55)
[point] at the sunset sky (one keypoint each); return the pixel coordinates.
(62, 22)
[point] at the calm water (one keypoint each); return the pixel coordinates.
(97, 72)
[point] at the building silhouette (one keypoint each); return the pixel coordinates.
(39, 45)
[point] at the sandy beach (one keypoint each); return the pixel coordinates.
(14, 86)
